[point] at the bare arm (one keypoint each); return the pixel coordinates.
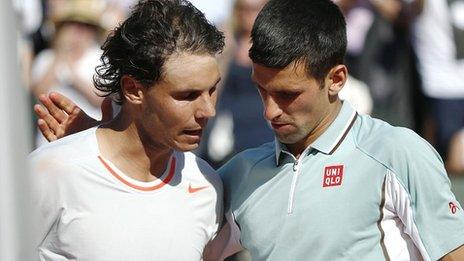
(455, 161)
(455, 255)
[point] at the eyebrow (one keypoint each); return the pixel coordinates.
(190, 89)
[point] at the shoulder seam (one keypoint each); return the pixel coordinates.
(372, 157)
(253, 166)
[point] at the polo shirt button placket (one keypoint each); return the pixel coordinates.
(296, 173)
(295, 166)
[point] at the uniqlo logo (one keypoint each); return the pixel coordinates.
(333, 176)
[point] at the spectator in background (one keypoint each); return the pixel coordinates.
(68, 66)
(216, 11)
(239, 124)
(357, 93)
(379, 54)
(116, 11)
(439, 45)
(29, 14)
(359, 18)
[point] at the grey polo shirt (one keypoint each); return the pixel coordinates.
(364, 190)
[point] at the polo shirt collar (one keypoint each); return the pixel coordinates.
(329, 141)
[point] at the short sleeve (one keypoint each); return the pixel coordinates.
(217, 213)
(232, 173)
(421, 192)
(45, 198)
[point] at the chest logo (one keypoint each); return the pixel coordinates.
(195, 189)
(333, 176)
(453, 207)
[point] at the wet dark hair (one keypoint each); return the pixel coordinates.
(155, 29)
(312, 32)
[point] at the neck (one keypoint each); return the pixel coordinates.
(297, 148)
(125, 145)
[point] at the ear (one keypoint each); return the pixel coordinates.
(132, 90)
(336, 79)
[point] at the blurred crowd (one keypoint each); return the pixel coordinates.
(405, 58)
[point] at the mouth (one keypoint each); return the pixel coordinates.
(279, 125)
(196, 132)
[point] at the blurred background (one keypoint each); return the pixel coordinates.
(405, 58)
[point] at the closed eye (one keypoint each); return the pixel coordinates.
(212, 90)
(287, 95)
(187, 96)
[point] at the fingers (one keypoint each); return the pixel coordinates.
(59, 116)
(52, 125)
(45, 120)
(63, 103)
(46, 132)
(107, 110)
(51, 108)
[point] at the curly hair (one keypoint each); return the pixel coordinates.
(140, 46)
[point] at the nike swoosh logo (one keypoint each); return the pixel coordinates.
(195, 189)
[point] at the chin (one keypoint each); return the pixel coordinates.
(290, 138)
(184, 147)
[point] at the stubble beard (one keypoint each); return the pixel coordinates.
(299, 135)
(291, 138)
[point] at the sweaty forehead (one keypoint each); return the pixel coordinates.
(191, 70)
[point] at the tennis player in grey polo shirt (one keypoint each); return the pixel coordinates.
(334, 185)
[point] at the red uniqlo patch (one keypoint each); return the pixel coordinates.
(333, 176)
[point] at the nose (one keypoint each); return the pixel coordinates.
(206, 108)
(271, 108)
